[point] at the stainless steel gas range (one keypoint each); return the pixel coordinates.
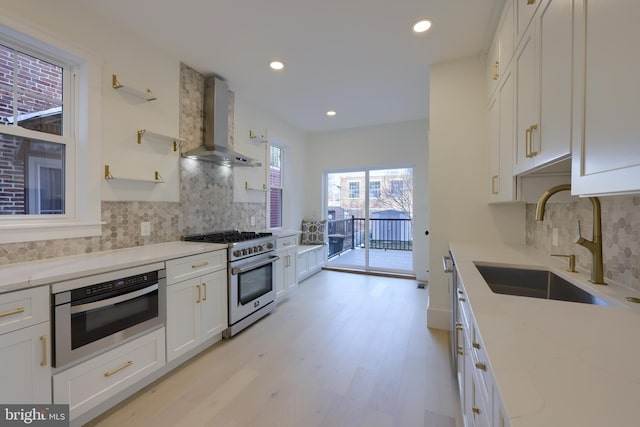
(251, 291)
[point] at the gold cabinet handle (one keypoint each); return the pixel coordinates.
(43, 340)
(481, 366)
(475, 410)
(531, 152)
(115, 371)
(531, 1)
(199, 296)
(462, 299)
(204, 291)
(12, 312)
(460, 292)
(476, 345)
(494, 186)
(496, 75)
(460, 351)
(202, 264)
(527, 152)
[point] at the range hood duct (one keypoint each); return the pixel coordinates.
(216, 128)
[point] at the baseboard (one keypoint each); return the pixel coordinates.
(438, 318)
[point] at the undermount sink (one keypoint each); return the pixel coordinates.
(535, 284)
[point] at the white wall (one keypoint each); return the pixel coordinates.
(137, 64)
(278, 132)
(458, 173)
(391, 145)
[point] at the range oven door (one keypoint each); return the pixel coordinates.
(251, 286)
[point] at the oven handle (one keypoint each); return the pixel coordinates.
(238, 270)
(115, 300)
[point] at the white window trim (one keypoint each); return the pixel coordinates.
(281, 187)
(83, 183)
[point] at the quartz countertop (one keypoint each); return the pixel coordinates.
(35, 273)
(285, 233)
(555, 363)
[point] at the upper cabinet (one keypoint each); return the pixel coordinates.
(501, 49)
(606, 151)
(525, 9)
(543, 75)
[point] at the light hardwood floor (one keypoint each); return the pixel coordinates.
(343, 350)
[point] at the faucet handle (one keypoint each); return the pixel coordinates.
(579, 239)
(572, 261)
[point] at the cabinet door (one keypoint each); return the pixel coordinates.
(493, 66)
(183, 317)
(606, 151)
(26, 368)
(303, 264)
(525, 9)
(554, 32)
(506, 36)
(213, 304)
(279, 275)
(501, 125)
(291, 269)
(526, 118)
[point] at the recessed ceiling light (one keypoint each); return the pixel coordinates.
(422, 26)
(331, 113)
(276, 65)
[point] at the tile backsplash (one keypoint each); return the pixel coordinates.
(620, 233)
(206, 199)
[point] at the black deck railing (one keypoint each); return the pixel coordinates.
(349, 233)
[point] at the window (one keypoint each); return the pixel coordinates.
(397, 187)
(50, 100)
(354, 190)
(275, 187)
(374, 189)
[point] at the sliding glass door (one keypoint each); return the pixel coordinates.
(370, 219)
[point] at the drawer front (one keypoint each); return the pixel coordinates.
(24, 308)
(285, 242)
(480, 362)
(90, 383)
(196, 265)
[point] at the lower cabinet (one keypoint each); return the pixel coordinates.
(311, 258)
(90, 383)
(196, 312)
(479, 397)
(286, 267)
(26, 368)
(25, 346)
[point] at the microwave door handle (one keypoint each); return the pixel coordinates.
(244, 269)
(115, 300)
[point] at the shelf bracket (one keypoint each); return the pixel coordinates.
(140, 133)
(107, 173)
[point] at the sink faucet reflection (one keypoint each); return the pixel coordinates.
(594, 246)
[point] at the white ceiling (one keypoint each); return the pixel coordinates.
(358, 57)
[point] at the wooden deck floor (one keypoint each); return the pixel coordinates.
(379, 259)
(343, 350)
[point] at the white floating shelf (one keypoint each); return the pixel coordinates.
(177, 142)
(157, 178)
(146, 94)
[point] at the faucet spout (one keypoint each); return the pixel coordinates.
(594, 246)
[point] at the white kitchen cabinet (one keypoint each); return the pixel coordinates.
(311, 259)
(502, 47)
(500, 418)
(525, 9)
(197, 306)
(96, 380)
(502, 186)
(26, 365)
(543, 88)
(25, 346)
(606, 151)
(286, 267)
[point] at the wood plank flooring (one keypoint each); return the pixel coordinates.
(343, 350)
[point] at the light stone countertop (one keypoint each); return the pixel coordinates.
(35, 273)
(285, 232)
(555, 363)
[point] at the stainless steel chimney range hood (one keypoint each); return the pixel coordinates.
(216, 129)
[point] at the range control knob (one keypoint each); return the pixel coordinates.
(269, 245)
(257, 248)
(245, 252)
(237, 253)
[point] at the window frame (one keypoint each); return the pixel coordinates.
(272, 187)
(82, 99)
(354, 193)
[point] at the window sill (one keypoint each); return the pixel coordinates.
(30, 232)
